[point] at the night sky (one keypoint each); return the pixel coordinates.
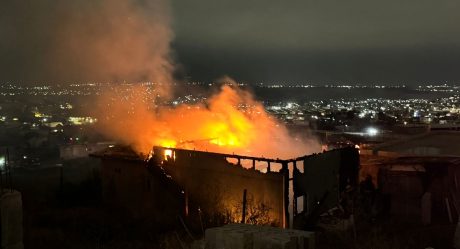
(361, 41)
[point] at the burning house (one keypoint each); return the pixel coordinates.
(217, 188)
(211, 183)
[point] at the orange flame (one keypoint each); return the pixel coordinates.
(228, 122)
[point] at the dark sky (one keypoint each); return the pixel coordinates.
(320, 40)
(317, 41)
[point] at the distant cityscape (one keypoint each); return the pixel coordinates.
(396, 110)
(40, 120)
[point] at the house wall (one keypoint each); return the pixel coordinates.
(216, 187)
(131, 188)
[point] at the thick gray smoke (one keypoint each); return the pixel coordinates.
(98, 40)
(129, 40)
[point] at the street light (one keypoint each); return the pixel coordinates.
(371, 131)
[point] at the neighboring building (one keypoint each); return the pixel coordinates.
(416, 189)
(435, 143)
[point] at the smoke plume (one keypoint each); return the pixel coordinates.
(129, 41)
(123, 40)
(79, 40)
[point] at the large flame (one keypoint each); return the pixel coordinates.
(230, 121)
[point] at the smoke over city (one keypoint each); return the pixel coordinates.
(129, 41)
(75, 41)
(135, 43)
(120, 41)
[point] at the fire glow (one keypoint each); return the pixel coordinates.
(132, 42)
(169, 154)
(230, 121)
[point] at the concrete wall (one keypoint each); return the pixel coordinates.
(325, 176)
(216, 187)
(405, 190)
(131, 188)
